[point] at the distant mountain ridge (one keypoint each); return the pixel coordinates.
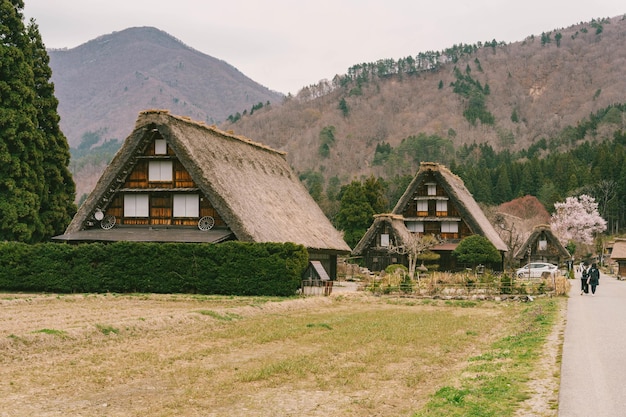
(103, 84)
(509, 96)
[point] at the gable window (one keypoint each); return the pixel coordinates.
(542, 245)
(384, 240)
(136, 205)
(431, 188)
(160, 171)
(415, 227)
(422, 207)
(160, 147)
(442, 207)
(186, 205)
(449, 227)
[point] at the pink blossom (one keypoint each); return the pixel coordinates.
(577, 219)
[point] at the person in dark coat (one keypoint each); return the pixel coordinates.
(594, 278)
(584, 279)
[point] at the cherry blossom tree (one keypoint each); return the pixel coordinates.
(577, 220)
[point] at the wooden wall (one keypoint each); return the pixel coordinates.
(161, 193)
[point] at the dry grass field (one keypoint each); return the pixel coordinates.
(184, 355)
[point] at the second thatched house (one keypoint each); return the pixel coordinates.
(435, 203)
(176, 180)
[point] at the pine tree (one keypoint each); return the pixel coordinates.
(36, 193)
(355, 213)
(374, 190)
(503, 186)
(57, 203)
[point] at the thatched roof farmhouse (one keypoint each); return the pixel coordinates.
(176, 180)
(435, 202)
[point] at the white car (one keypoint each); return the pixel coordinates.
(536, 270)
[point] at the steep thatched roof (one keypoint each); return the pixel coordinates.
(619, 250)
(250, 185)
(400, 233)
(538, 231)
(471, 213)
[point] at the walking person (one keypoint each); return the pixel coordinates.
(594, 278)
(584, 279)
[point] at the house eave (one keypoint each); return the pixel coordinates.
(145, 234)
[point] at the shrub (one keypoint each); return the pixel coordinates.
(394, 268)
(230, 268)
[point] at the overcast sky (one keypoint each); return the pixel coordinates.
(288, 44)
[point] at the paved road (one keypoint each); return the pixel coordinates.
(593, 369)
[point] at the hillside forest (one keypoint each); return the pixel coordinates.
(593, 167)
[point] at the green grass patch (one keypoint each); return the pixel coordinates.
(320, 325)
(495, 382)
(461, 303)
(53, 332)
(218, 316)
(107, 330)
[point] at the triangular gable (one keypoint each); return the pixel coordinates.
(533, 239)
(250, 185)
(458, 194)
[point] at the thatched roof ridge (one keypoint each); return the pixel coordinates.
(462, 198)
(250, 185)
(212, 128)
(534, 236)
(401, 233)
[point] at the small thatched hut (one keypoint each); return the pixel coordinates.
(618, 254)
(176, 180)
(379, 246)
(542, 245)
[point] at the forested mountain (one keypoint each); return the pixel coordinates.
(103, 84)
(509, 96)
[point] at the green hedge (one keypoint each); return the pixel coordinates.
(230, 268)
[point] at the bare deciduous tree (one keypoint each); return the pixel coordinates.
(413, 246)
(512, 232)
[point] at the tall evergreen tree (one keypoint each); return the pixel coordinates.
(355, 213)
(19, 183)
(36, 188)
(57, 203)
(482, 185)
(374, 189)
(503, 186)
